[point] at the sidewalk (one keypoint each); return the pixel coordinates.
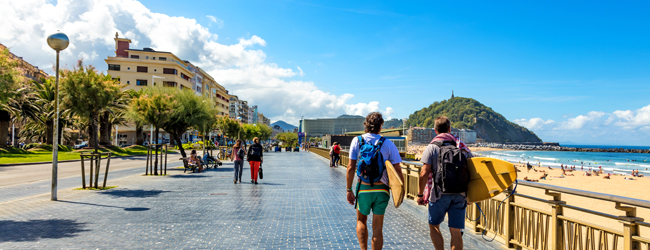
(300, 204)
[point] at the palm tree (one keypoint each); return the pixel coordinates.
(88, 93)
(132, 94)
(11, 82)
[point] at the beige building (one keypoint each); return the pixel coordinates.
(147, 67)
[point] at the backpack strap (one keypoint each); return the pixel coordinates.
(361, 142)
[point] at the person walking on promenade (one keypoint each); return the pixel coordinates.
(372, 191)
(255, 158)
(440, 202)
(334, 155)
(238, 153)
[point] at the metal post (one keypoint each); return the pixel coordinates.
(166, 159)
(83, 174)
(108, 162)
(55, 143)
(99, 162)
(13, 134)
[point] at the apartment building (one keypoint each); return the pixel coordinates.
(30, 71)
(263, 120)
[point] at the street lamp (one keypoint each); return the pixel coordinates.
(57, 42)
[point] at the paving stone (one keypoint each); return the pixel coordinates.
(300, 204)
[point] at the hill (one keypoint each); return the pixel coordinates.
(393, 123)
(468, 113)
(284, 125)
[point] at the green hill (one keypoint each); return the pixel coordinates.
(468, 113)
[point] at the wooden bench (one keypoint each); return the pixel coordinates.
(187, 165)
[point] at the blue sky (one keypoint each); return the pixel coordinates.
(547, 65)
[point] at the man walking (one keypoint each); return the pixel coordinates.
(372, 192)
(442, 202)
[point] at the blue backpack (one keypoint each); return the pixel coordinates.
(370, 164)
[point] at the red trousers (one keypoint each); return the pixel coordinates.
(255, 166)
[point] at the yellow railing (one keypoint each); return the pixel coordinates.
(542, 221)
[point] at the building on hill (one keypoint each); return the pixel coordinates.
(325, 126)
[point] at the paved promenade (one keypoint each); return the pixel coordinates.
(298, 205)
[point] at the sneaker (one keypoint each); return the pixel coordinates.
(256, 183)
(235, 181)
(252, 181)
(239, 181)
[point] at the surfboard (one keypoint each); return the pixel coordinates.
(488, 177)
(396, 185)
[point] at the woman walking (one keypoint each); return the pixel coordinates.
(334, 154)
(238, 157)
(255, 158)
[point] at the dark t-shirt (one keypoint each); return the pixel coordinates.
(251, 156)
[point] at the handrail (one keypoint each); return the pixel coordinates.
(589, 194)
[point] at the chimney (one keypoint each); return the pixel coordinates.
(121, 46)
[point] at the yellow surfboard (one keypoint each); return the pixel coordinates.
(396, 184)
(488, 177)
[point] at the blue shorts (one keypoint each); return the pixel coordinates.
(452, 204)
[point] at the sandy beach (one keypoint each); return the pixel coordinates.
(616, 185)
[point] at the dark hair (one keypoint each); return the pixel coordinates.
(373, 123)
(238, 144)
(442, 125)
(336, 143)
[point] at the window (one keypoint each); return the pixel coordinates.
(142, 69)
(169, 71)
(170, 84)
(114, 67)
(162, 58)
(147, 57)
(153, 58)
(198, 89)
(141, 82)
(135, 56)
(182, 87)
(187, 78)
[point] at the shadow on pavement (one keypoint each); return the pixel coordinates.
(133, 193)
(188, 176)
(222, 169)
(269, 184)
(34, 230)
(131, 209)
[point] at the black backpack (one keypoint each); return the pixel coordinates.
(256, 150)
(453, 176)
(241, 153)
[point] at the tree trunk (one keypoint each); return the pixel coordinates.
(49, 132)
(60, 132)
(5, 119)
(177, 139)
(138, 134)
(104, 129)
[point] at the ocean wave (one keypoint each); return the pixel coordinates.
(543, 158)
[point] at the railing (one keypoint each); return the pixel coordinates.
(536, 217)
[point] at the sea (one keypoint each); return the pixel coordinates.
(618, 163)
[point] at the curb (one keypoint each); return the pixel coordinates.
(47, 162)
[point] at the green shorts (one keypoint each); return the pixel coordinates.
(373, 198)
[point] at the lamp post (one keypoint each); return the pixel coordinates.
(57, 42)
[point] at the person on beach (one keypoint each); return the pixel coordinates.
(373, 196)
(237, 156)
(440, 203)
(255, 158)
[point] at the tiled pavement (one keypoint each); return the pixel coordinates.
(300, 204)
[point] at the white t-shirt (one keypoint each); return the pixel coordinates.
(388, 150)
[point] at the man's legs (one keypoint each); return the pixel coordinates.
(362, 230)
(377, 234)
(436, 237)
(456, 238)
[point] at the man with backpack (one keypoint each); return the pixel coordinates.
(443, 184)
(368, 153)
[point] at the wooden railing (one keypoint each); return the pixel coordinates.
(527, 221)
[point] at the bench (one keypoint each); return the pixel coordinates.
(187, 165)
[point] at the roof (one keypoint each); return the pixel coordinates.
(382, 131)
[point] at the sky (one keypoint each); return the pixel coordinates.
(570, 71)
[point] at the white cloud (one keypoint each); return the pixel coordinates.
(216, 20)
(621, 127)
(241, 67)
(534, 123)
(301, 72)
